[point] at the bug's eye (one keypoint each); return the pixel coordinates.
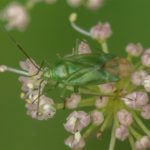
(62, 71)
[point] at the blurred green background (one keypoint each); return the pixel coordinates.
(48, 34)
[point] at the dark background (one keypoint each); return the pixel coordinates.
(48, 34)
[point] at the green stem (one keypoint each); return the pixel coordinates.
(104, 47)
(135, 133)
(105, 124)
(132, 143)
(141, 124)
(113, 138)
(89, 131)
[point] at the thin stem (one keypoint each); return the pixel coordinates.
(132, 143)
(104, 47)
(141, 124)
(13, 70)
(89, 131)
(80, 30)
(113, 138)
(135, 133)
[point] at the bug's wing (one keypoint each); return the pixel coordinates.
(90, 76)
(90, 59)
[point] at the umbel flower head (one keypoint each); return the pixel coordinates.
(115, 88)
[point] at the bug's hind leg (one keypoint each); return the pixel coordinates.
(38, 99)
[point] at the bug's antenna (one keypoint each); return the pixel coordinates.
(18, 45)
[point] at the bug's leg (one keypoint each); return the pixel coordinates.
(76, 89)
(38, 100)
(41, 65)
(75, 50)
(63, 97)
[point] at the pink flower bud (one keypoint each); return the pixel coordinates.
(107, 88)
(143, 143)
(134, 49)
(101, 31)
(146, 83)
(138, 77)
(122, 133)
(75, 141)
(16, 16)
(124, 117)
(97, 117)
(77, 121)
(136, 99)
(146, 112)
(84, 48)
(74, 3)
(94, 4)
(146, 58)
(73, 101)
(101, 102)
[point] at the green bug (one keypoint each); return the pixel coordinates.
(83, 69)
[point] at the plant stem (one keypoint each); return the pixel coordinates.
(104, 47)
(131, 140)
(113, 138)
(141, 124)
(88, 131)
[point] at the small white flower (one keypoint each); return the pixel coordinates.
(143, 143)
(94, 4)
(145, 58)
(101, 31)
(146, 112)
(84, 48)
(97, 117)
(16, 16)
(107, 88)
(77, 121)
(75, 141)
(146, 83)
(124, 117)
(136, 99)
(138, 77)
(134, 49)
(73, 101)
(74, 3)
(122, 133)
(101, 102)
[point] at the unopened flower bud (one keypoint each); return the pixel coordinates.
(74, 3)
(94, 4)
(84, 48)
(136, 99)
(3, 68)
(73, 101)
(146, 112)
(101, 32)
(138, 77)
(75, 141)
(122, 133)
(143, 143)
(134, 49)
(16, 16)
(97, 117)
(77, 121)
(101, 102)
(107, 88)
(146, 83)
(124, 117)
(145, 58)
